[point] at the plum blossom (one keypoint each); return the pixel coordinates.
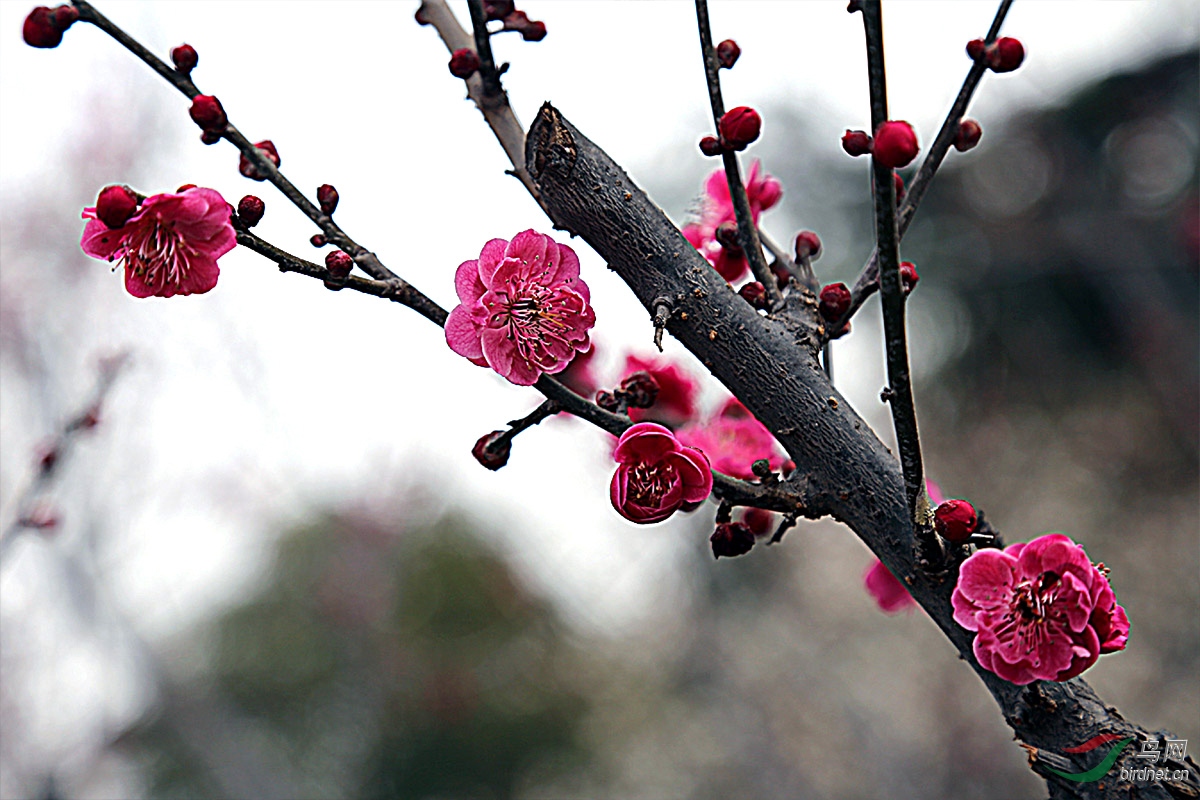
(675, 403)
(524, 310)
(1041, 611)
(716, 208)
(169, 246)
(656, 475)
(733, 440)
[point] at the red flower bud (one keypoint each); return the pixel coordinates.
(968, 135)
(39, 29)
(65, 17)
(498, 9)
(908, 276)
(210, 137)
(808, 245)
(899, 186)
(740, 126)
(955, 520)
(976, 49)
(895, 144)
(317, 240)
(608, 401)
(759, 521)
(247, 167)
(206, 111)
(726, 235)
(782, 276)
(711, 146)
(184, 58)
(1005, 54)
(339, 263)
(464, 63)
(835, 301)
(639, 390)
(530, 30)
(856, 143)
(728, 52)
(327, 198)
(492, 451)
(731, 539)
(755, 294)
(250, 210)
(115, 205)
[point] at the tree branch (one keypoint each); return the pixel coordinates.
(747, 230)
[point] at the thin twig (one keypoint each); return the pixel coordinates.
(333, 233)
(495, 109)
(54, 458)
(867, 282)
(483, 48)
(887, 240)
(747, 230)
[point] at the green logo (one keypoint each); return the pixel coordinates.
(1097, 772)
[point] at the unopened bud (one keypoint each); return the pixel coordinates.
(808, 245)
(185, 58)
(530, 30)
(835, 301)
(40, 30)
(908, 276)
(740, 126)
(976, 48)
(65, 16)
(726, 235)
(327, 198)
(464, 63)
(1005, 54)
(728, 52)
(115, 205)
(339, 263)
(782, 276)
(955, 520)
(856, 143)
(969, 134)
(266, 148)
(492, 450)
(206, 111)
(895, 144)
(210, 137)
(317, 240)
(731, 539)
(711, 146)
(250, 210)
(608, 401)
(900, 189)
(639, 390)
(755, 294)
(759, 521)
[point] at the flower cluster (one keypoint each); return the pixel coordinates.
(523, 311)
(168, 244)
(763, 191)
(656, 475)
(1041, 611)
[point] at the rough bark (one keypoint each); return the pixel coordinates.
(770, 363)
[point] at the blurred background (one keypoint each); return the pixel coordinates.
(278, 571)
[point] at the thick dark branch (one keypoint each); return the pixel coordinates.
(770, 365)
(887, 243)
(868, 280)
(747, 230)
(333, 233)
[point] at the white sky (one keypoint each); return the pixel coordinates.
(270, 388)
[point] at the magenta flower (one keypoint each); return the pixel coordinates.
(889, 593)
(716, 208)
(656, 475)
(676, 400)
(1041, 611)
(733, 440)
(169, 246)
(524, 310)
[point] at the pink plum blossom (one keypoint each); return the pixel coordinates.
(716, 208)
(656, 475)
(733, 440)
(676, 400)
(889, 593)
(1041, 611)
(169, 246)
(524, 310)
